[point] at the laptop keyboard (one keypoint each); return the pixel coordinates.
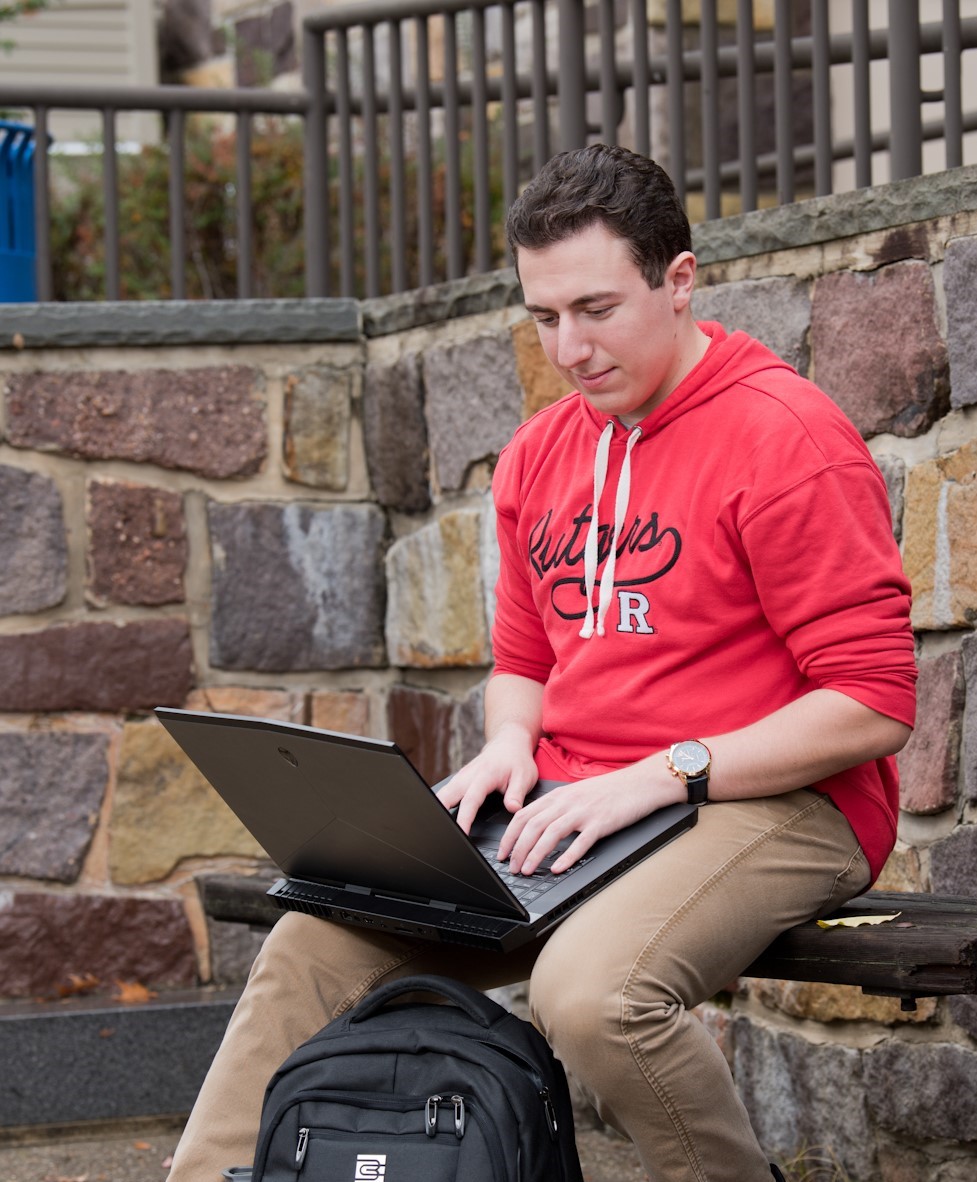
(529, 887)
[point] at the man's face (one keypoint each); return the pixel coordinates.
(624, 346)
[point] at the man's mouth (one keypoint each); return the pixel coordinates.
(593, 379)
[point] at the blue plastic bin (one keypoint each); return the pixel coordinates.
(17, 248)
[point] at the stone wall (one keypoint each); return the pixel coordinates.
(283, 509)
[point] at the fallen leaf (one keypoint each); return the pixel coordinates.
(78, 983)
(132, 993)
(141, 1145)
(856, 921)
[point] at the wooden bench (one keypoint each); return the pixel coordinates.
(930, 950)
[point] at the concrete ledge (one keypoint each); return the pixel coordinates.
(94, 1060)
(178, 322)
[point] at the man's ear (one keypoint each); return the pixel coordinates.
(681, 276)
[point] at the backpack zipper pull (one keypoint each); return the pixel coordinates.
(544, 1095)
(431, 1115)
(459, 1103)
(301, 1148)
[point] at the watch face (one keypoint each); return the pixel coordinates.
(690, 757)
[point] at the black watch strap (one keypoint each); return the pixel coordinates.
(698, 788)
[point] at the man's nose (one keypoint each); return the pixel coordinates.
(573, 348)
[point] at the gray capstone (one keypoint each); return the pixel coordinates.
(777, 311)
(473, 404)
(923, 1090)
(88, 1061)
(33, 547)
(960, 285)
(800, 1094)
(296, 587)
(51, 789)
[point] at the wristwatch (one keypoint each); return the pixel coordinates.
(690, 761)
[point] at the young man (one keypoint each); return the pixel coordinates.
(699, 598)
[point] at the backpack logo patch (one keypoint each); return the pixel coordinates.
(370, 1167)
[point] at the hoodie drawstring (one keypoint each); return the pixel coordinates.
(591, 545)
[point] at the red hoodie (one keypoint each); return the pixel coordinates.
(755, 561)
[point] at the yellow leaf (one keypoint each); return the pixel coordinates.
(856, 921)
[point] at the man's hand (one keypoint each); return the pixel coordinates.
(591, 809)
(505, 764)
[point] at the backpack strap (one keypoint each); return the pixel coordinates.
(476, 1005)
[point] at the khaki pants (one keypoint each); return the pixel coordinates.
(611, 987)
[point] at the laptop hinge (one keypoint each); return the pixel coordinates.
(443, 906)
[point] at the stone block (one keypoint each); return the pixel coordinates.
(435, 605)
(541, 384)
(33, 548)
(97, 666)
(902, 871)
(49, 943)
(210, 421)
(963, 1011)
(317, 418)
(960, 285)
(86, 1060)
(923, 1090)
(877, 349)
(473, 404)
(165, 811)
(469, 726)
(51, 789)
(346, 711)
(233, 947)
(899, 1162)
(395, 435)
(940, 542)
(137, 544)
(777, 311)
(893, 469)
(953, 863)
(819, 1002)
(800, 1094)
(420, 723)
(296, 587)
(968, 651)
(930, 761)
(282, 705)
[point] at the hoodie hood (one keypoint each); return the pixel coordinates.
(731, 359)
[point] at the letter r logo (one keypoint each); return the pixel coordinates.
(633, 609)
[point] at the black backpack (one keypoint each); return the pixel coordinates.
(420, 1092)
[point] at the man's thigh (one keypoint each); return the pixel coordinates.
(698, 911)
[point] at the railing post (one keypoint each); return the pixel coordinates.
(316, 212)
(905, 100)
(573, 93)
(42, 208)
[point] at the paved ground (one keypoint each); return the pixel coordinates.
(141, 1153)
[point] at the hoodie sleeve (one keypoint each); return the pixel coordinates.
(831, 584)
(519, 640)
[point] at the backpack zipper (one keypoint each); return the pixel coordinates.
(431, 1114)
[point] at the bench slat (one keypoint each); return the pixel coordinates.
(929, 950)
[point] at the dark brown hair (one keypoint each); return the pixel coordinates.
(629, 194)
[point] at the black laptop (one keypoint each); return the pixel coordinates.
(361, 838)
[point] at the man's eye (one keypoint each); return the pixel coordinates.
(600, 311)
(546, 320)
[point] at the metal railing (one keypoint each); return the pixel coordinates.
(422, 118)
